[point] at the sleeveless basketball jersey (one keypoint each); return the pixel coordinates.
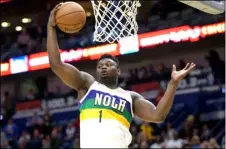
(105, 117)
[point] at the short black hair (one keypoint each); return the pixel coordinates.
(104, 56)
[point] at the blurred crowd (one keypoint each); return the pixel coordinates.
(32, 38)
(193, 134)
(41, 133)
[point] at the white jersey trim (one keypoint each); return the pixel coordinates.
(84, 97)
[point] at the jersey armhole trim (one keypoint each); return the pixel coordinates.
(84, 97)
(131, 105)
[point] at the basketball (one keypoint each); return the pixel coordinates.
(71, 17)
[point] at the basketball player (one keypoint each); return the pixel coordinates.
(107, 110)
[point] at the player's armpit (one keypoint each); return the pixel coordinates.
(145, 110)
(72, 77)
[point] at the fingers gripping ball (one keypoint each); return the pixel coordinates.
(71, 17)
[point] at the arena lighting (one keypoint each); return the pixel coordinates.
(178, 34)
(18, 64)
(5, 69)
(18, 28)
(88, 14)
(5, 24)
(41, 61)
(4, 1)
(26, 20)
(95, 52)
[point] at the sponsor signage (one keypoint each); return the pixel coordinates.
(58, 103)
(5, 69)
(125, 46)
(203, 78)
(50, 103)
(29, 105)
(18, 64)
(180, 34)
(38, 61)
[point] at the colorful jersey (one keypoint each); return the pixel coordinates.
(105, 117)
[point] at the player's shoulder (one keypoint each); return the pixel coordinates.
(134, 95)
(89, 79)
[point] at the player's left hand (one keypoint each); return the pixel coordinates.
(176, 76)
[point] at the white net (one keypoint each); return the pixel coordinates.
(115, 19)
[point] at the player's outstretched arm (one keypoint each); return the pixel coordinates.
(147, 111)
(69, 74)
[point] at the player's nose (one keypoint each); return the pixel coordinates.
(104, 67)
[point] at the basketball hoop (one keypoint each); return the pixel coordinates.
(115, 19)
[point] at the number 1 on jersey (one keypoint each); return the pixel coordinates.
(100, 117)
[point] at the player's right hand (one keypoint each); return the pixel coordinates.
(52, 20)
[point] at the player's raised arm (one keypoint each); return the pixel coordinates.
(70, 75)
(147, 111)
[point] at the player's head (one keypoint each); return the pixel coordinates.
(107, 68)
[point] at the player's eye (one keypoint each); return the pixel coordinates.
(108, 64)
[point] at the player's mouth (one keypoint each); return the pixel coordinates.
(103, 73)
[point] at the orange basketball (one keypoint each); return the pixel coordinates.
(71, 17)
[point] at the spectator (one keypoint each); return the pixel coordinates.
(55, 140)
(174, 142)
(163, 72)
(70, 135)
(23, 40)
(7, 104)
(134, 143)
(133, 130)
(30, 94)
(144, 144)
(24, 139)
(195, 142)
(35, 118)
(70, 131)
(60, 132)
(46, 142)
(77, 125)
(42, 128)
(36, 141)
(204, 144)
(146, 132)
(169, 131)
(223, 142)
(4, 141)
(213, 143)
(11, 132)
(187, 130)
(36, 32)
(205, 132)
(77, 143)
(47, 117)
(157, 143)
(217, 65)
(33, 123)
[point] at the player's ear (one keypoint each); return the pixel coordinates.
(118, 71)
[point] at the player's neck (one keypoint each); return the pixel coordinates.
(110, 84)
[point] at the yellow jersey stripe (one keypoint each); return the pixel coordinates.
(106, 114)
